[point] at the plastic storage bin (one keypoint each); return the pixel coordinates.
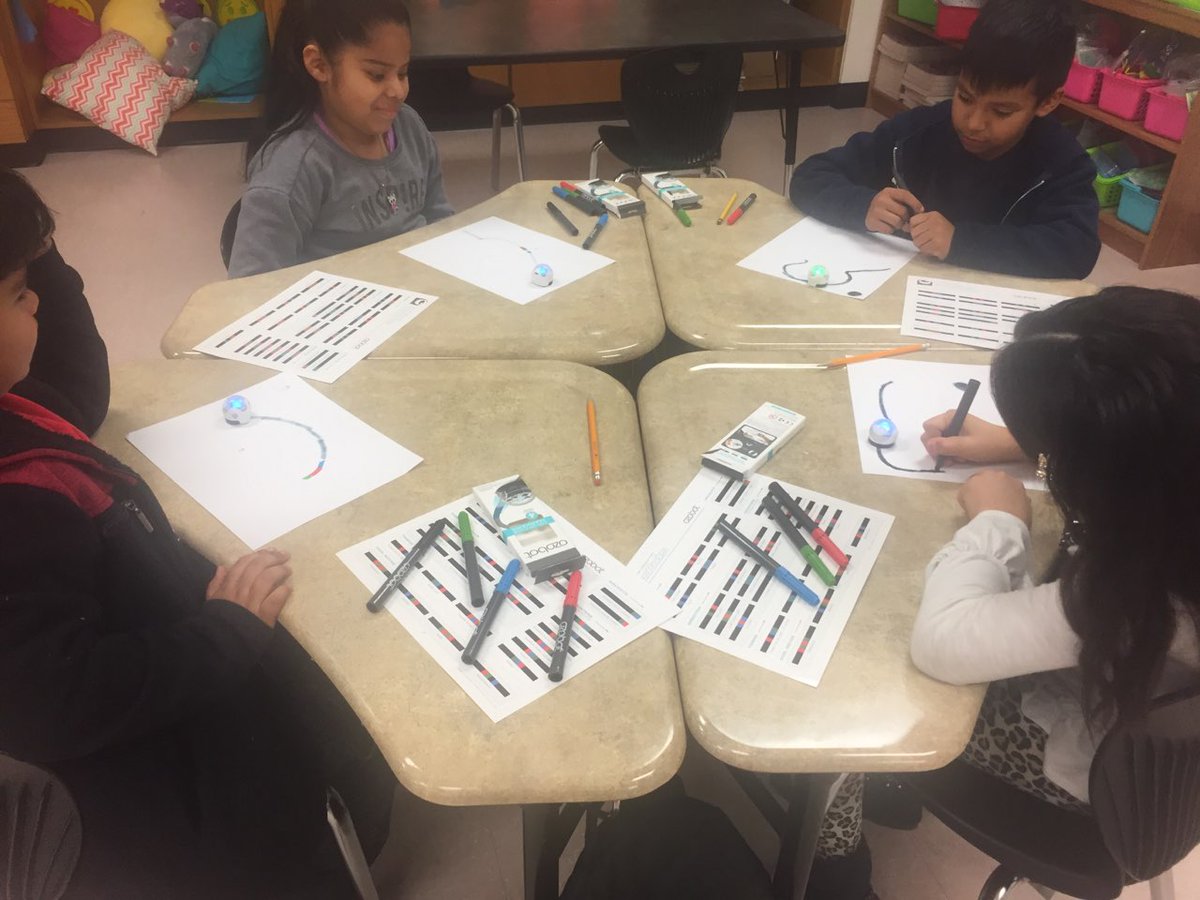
(1166, 114)
(1126, 97)
(1137, 208)
(1108, 190)
(955, 18)
(1083, 82)
(919, 10)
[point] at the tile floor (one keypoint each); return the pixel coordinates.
(143, 232)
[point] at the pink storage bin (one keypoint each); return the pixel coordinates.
(1126, 97)
(954, 21)
(1166, 114)
(1083, 82)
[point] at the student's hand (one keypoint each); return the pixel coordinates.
(931, 233)
(890, 209)
(995, 490)
(977, 442)
(261, 582)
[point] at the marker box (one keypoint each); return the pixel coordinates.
(615, 200)
(753, 442)
(671, 190)
(528, 529)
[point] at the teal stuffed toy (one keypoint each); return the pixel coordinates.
(188, 45)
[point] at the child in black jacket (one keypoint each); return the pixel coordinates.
(987, 180)
(196, 738)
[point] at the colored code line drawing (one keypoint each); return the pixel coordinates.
(316, 436)
(848, 273)
(883, 413)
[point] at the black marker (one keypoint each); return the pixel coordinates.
(489, 613)
(760, 556)
(558, 660)
(407, 565)
(561, 218)
(960, 416)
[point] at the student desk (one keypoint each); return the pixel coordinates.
(612, 316)
(712, 303)
(614, 732)
(873, 710)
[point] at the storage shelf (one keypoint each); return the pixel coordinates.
(883, 104)
(921, 28)
(1123, 238)
(1134, 129)
(1168, 15)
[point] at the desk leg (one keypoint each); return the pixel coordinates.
(791, 118)
(798, 840)
(546, 829)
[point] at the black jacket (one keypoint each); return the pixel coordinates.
(1031, 212)
(196, 741)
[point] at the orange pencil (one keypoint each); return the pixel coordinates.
(594, 440)
(878, 354)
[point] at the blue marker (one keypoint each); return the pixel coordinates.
(489, 612)
(794, 584)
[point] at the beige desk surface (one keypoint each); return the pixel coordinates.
(609, 317)
(873, 710)
(615, 731)
(713, 303)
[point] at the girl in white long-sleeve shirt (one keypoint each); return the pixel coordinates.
(1104, 392)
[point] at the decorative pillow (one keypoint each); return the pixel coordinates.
(236, 60)
(66, 34)
(120, 87)
(143, 20)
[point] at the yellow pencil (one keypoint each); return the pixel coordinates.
(594, 440)
(728, 207)
(878, 354)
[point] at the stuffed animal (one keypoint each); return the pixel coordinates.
(143, 20)
(184, 9)
(187, 46)
(228, 10)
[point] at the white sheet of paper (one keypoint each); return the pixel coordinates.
(964, 313)
(434, 606)
(499, 256)
(727, 601)
(319, 327)
(913, 392)
(300, 457)
(858, 263)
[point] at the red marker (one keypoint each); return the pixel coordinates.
(558, 660)
(806, 522)
(737, 213)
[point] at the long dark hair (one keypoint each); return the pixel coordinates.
(1108, 388)
(26, 223)
(291, 94)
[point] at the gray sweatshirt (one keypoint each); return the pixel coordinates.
(309, 197)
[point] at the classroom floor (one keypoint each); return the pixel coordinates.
(143, 233)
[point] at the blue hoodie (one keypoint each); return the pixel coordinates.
(1030, 212)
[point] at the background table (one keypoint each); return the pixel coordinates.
(612, 316)
(712, 303)
(873, 711)
(616, 731)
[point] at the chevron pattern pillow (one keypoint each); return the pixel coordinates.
(120, 87)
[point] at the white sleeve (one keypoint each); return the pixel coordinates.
(981, 618)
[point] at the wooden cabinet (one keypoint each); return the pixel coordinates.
(1175, 238)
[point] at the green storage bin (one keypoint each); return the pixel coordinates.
(920, 10)
(1189, 4)
(1108, 190)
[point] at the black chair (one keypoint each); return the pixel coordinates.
(450, 96)
(1145, 793)
(229, 232)
(40, 832)
(679, 104)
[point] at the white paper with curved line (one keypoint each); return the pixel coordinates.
(858, 263)
(913, 392)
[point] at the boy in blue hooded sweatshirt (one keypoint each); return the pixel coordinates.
(988, 180)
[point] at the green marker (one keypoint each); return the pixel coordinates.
(470, 561)
(683, 217)
(792, 533)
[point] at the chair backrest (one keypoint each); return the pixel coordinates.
(40, 832)
(229, 232)
(1145, 786)
(680, 102)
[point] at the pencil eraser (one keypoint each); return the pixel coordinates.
(754, 441)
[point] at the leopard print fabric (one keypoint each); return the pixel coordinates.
(1004, 743)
